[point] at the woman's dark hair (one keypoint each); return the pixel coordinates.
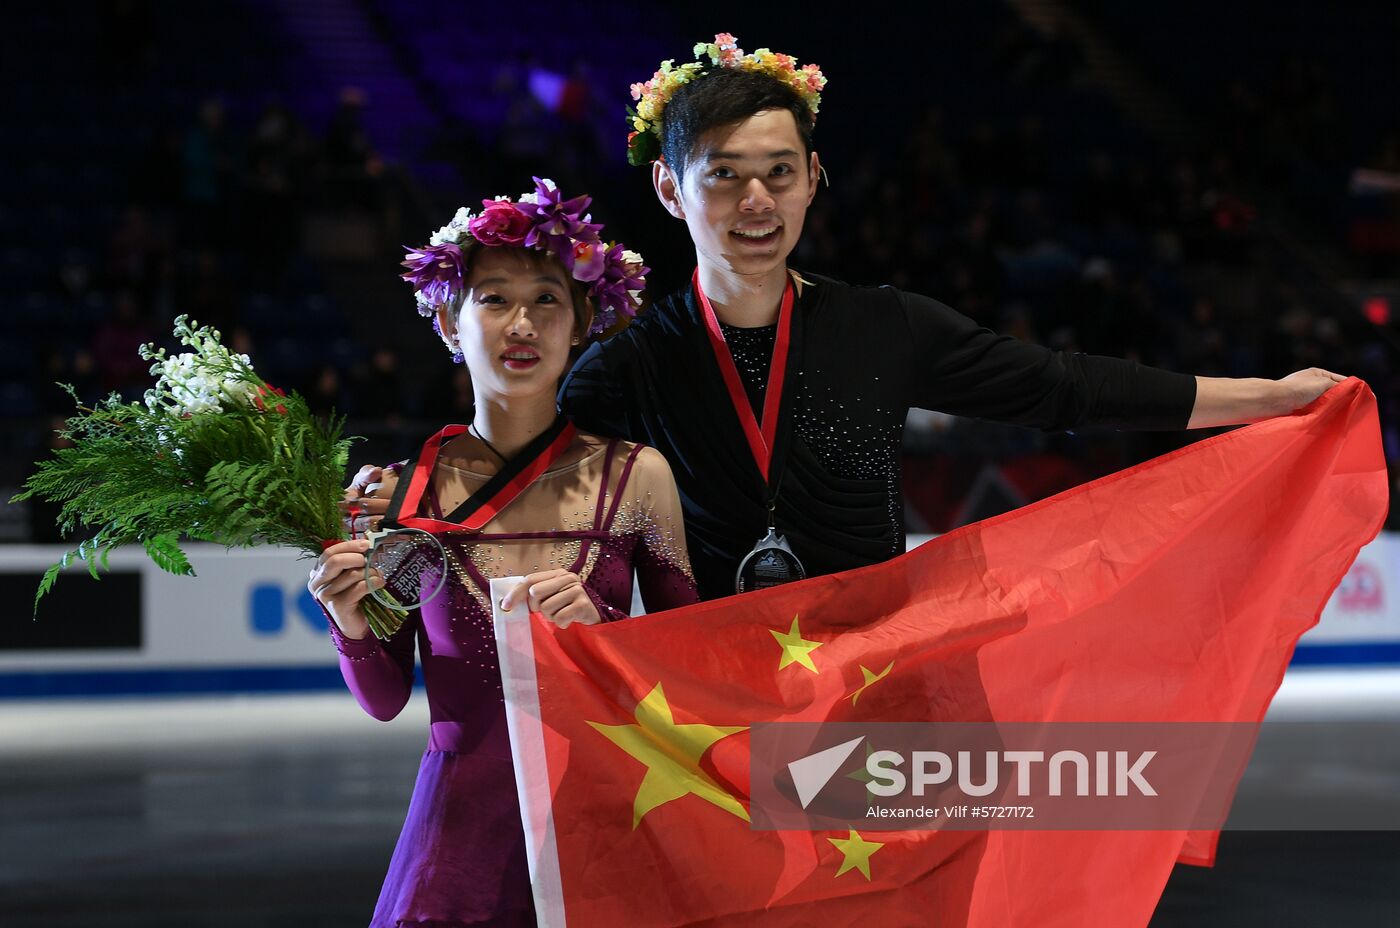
(723, 97)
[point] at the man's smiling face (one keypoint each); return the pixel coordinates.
(745, 193)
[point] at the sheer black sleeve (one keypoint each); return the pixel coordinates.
(961, 368)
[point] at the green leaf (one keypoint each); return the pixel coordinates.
(240, 477)
(165, 551)
(45, 584)
(87, 550)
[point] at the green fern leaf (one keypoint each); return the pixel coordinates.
(45, 584)
(165, 551)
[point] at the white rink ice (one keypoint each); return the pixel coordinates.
(283, 809)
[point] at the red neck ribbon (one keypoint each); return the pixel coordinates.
(760, 438)
(497, 493)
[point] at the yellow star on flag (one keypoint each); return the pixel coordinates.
(870, 677)
(855, 853)
(796, 649)
(672, 755)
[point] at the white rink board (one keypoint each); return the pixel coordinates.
(243, 607)
(250, 608)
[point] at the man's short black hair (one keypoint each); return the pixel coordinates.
(723, 97)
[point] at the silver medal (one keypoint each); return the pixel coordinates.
(770, 563)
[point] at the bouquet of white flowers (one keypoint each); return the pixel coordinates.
(214, 454)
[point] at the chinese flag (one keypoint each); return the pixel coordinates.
(1172, 591)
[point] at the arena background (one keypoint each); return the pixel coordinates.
(1212, 188)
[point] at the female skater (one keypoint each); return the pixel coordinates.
(513, 291)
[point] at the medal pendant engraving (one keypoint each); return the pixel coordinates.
(770, 563)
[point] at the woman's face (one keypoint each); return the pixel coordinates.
(517, 324)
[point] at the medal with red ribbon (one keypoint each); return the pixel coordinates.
(771, 562)
(495, 495)
(406, 565)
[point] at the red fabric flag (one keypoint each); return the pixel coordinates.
(1173, 591)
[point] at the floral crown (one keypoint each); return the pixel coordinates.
(644, 141)
(541, 220)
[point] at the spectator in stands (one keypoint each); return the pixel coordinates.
(116, 343)
(208, 173)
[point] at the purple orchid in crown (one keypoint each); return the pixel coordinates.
(554, 217)
(436, 272)
(589, 259)
(620, 286)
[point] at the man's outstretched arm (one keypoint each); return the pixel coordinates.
(1238, 400)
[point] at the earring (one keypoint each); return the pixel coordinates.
(576, 340)
(826, 180)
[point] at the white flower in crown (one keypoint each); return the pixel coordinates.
(455, 231)
(631, 257)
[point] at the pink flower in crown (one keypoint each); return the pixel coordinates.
(500, 223)
(640, 90)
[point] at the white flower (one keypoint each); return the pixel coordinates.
(455, 232)
(209, 378)
(631, 257)
(530, 198)
(190, 383)
(448, 233)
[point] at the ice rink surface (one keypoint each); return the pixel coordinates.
(283, 810)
